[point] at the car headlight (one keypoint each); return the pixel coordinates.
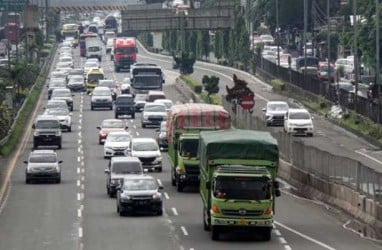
(58, 132)
(159, 158)
(145, 117)
(108, 148)
(125, 196)
(157, 196)
(268, 117)
(36, 133)
(103, 134)
(115, 181)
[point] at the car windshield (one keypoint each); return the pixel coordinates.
(140, 97)
(126, 168)
(189, 148)
(59, 112)
(147, 81)
(155, 108)
(95, 77)
(109, 84)
(93, 49)
(241, 187)
(118, 138)
(103, 92)
(51, 124)
(140, 184)
(113, 124)
(66, 59)
(125, 50)
(61, 93)
(125, 99)
(91, 65)
(145, 146)
(76, 79)
(299, 116)
(53, 105)
(278, 107)
(43, 158)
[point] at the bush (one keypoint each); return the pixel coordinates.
(47, 46)
(192, 83)
(277, 84)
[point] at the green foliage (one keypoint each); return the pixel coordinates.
(211, 84)
(277, 84)
(192, 83)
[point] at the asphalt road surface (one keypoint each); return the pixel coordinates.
(78, 214)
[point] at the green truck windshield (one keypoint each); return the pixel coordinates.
(189, 148)
(242, 188)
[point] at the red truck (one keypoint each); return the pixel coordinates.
(12, 32)
(124, 52)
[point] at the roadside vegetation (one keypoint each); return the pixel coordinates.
(28, 80)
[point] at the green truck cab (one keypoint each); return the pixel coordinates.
(238, 183)
(184, 124)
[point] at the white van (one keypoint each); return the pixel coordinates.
(94, 49)
(108, 35)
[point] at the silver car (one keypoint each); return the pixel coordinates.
(43, 165)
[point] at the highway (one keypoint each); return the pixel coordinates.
(78, 214)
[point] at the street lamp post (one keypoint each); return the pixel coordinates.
(305, 33)
(278, 33)
(355, 45)
(328, 38)
(377, 66)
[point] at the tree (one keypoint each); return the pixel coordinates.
(211, 85)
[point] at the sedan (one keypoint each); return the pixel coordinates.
(162, 136)
(63, 94)
(76, 83)
(117, 143)
(109, 125)
(139, 193)
(63, 116)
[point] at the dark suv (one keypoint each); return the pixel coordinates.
(124, 105)
(47, 131)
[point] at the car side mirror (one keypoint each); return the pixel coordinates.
(26, 162)
(61, 161)
(263, 109)
(312, 117)
(126, 127)
(33, 126)
(98, 127)
(107, 171)
(145, 170)
(157, 130)
(160, 187)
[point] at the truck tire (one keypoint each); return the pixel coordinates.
(173, 180)
(133, 116)
(116, 116)
(179, 187)
(215, 232)
(116, 69)
(267, 233)
(59, 146)
(35, 145)
(206, 226)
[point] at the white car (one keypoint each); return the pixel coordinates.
(153, 114)
(167, 102)
(66, 60)
(147, 150)
(117, 143)
(298, 122)
(267, 39)
(67, 50)
(274, 113)
(90, 65)
(63, 115)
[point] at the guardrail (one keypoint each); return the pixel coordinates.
(43, 72)
(317, 162)
(366, 107)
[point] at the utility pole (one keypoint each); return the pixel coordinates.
(378, 64)
(278, 33)
(328, 38)
(305, 33)
(355, 45)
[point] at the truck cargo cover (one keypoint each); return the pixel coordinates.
(196, 116)
(238, 144)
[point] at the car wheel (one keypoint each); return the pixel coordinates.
(58, 180)
(27, 181)
(159, 169)
(111, 107)
(143, 125)
(133, 116)
(310, 134)
(116, 116)
(111, 195)
(91, 108)
(160, 212)
(71, 109)
(35, 145)
(70, 129)
(59, 146)
(267, 234)
(179, 187)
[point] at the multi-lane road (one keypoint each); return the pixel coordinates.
(78, 214)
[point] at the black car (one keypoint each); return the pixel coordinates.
(47, 131)
(124, 105)
(139, 193)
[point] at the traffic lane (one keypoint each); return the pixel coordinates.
(320, 225)
(99, 216)
(33, 213)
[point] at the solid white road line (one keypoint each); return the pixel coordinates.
(79, 213)
(277, 232)
(368, 156)
(282, 240)
(287, 247)
(305, 236)
(78, 183)
(78, 196)
(80, 232)
(184, 230)
(166, 196)
(174, 211)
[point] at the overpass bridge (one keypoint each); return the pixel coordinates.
(84, 5)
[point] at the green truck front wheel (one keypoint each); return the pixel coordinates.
(215, 233)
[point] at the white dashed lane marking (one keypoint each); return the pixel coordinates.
(184, 230)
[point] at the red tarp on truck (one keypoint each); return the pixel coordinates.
(197, 116)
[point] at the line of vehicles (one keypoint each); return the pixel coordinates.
(234, 169)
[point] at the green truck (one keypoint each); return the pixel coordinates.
(184, 123)
(238, 181)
